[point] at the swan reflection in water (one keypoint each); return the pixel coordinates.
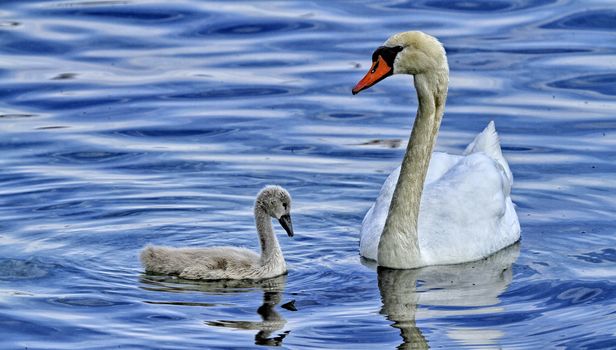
(272, 288)
(477, 284)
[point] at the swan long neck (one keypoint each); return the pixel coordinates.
(270, 248)
(399, 243)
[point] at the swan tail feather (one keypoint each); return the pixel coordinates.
(488, 142)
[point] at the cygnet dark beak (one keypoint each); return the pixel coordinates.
(287, 225)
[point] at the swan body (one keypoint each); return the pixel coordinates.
(216, 263)
(465, 197)
(436, 208)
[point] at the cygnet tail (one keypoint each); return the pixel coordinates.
(488, 142)
(153, 258)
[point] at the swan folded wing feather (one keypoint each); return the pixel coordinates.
(466, 215)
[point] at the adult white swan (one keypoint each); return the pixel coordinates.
(465, 212)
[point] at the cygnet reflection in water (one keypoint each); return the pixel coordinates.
(272, 288)
(476, 285)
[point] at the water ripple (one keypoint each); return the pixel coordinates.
(129, 122)
(254, 28)
(475, 5)
(588, 20)
(601, 83)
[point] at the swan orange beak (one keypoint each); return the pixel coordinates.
(379, 71)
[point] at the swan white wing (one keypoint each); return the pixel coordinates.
(467, 214)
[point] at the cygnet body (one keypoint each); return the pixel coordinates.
(214, 263)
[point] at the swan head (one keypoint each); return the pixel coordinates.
(276, 202)
(405, 53)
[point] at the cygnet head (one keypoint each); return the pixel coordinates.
(276, 202)
(405, 53)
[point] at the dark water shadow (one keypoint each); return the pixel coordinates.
(602, 19)
(23, 269)
(471, 6)
(462, 287)
(272, 288)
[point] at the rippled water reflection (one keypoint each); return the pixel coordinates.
(128, 122)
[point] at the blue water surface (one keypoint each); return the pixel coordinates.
(130, 122)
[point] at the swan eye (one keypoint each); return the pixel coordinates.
(388, 54)
(284, 205)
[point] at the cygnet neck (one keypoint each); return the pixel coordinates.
(270, 248)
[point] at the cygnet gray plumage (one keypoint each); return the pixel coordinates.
(215, 263)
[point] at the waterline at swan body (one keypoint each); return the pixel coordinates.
(436, 208)
(215, 263)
